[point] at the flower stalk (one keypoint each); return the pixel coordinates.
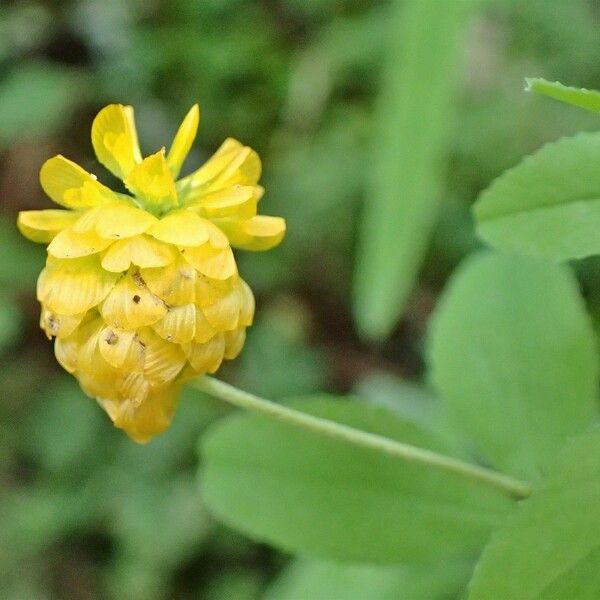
(510, 486)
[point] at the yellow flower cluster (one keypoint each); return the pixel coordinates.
(141, 290)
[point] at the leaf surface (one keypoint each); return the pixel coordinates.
(315, 495)
(548, 206)
(320, 580)
(550, 548)
(513, 354)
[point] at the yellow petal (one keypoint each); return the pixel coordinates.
(258, 233)
(100, 383)
(71, 186)
(234, 342)
(207, 357)
(115, 221)
(96, 376)
(259, 192)
(121, 221)
(65, 350)
(237, 201)
(152, 182)
(70, 287)
(164, 359)
(224, 314)
(131, 304)
(266, 230)
(121, 349)
(141, 251)
(181, 227)
(71, 244)
(59, 325)
(247, 305)
(143, 420)
(178, 325)
(244, 169)
(204, 330)
(42, 225)
(134, 389)
(209, 291)
(214, 263)
(114, 138)
(216, 237)
(87, 220)
(179, 283)
(174, 283)
(184, 138)
(229, 149)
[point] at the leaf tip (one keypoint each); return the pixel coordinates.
(529, 83)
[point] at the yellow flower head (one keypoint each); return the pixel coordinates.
(141, 291)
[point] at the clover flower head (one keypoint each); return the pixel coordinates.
(141, 291)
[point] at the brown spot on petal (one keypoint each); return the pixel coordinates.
(138, 279)
(53, 324)
(111, 338)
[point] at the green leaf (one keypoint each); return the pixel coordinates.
(550, 548)
(549, 205)
(513, 354)
(588, 99)
(315, 495)
(410, 137)
(411, 402)
(319, 580)
(35, 99)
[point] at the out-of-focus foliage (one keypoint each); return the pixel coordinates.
(84, 513)
(36, 98)
(322, 580)
(408, 149)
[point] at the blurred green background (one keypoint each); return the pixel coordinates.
(86, 513)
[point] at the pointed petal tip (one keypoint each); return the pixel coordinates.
(114, 138)
(184, 138)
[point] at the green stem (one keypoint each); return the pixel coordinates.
(508, 485)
